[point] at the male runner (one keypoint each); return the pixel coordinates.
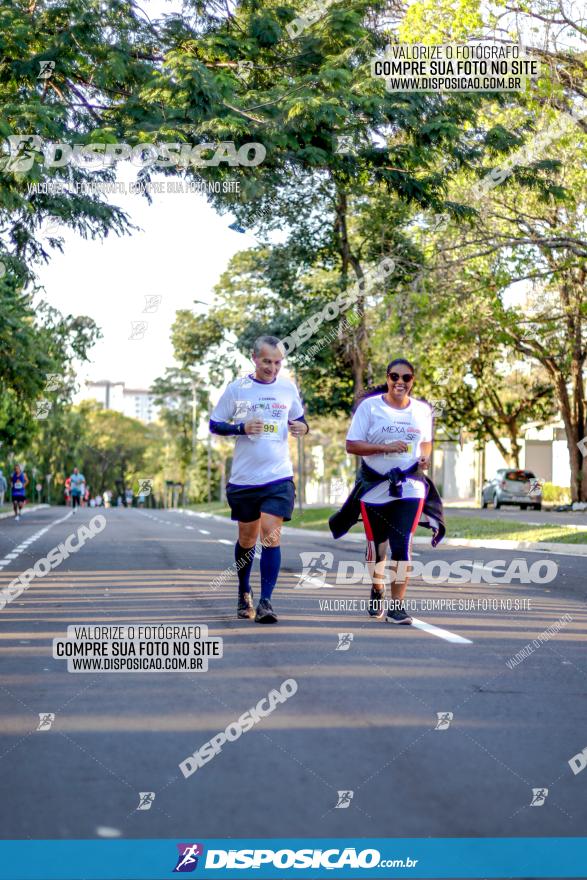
(78, 487)
(18, 483)
(258, 409)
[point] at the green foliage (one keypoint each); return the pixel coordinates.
(556, 494)
(325, 214)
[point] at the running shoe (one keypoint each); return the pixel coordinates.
(265, 612)
(245, 608)
(17, 517)
(399, 615)
(375, 606)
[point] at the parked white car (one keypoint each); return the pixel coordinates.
(513, 487)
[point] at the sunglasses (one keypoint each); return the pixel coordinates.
(406, 377)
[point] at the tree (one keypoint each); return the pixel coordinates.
(473, 381)
(115, 448)
(182, 399)
(535, 239)
(342, 207)
(36, 358)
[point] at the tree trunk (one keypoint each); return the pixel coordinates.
(356, 349)
(573, 438)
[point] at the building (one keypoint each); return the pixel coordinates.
(460, 468)
(136, 403)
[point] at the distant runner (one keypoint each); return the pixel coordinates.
(78, 488)
(259, 409)
(18, 481)
(392, 432)
(3, 488)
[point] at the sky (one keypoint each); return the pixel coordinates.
(179, 253)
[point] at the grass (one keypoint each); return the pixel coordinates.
(476, 527)
(456, 526)
(220, 508)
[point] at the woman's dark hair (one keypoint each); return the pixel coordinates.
(399, 361)
(380, 389)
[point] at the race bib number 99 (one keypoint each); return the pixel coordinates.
(271, 430)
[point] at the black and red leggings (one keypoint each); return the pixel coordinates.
(395, 523)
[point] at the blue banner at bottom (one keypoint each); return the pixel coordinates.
(304, 858)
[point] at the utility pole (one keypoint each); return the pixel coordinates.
(300, 472)
(300, 461)
(194, 407)
(194, 432)
(209, 466)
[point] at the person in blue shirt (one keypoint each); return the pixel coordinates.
(78, 487)
(18, 482)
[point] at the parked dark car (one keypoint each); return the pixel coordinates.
(513, 487)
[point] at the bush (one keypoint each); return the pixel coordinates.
(556, 494)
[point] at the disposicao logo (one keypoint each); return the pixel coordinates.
(187, 859)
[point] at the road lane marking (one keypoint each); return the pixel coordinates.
(6, 560)
(313, 582)
(441, 633)
(225, 541)
(191, 528)
(204, 531)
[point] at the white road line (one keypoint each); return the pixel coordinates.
(21, 547)
(312, 582)
(441, 633)
(203, 531)
(190, 528)
(225, 541)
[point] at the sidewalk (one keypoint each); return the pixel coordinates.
(27, 509)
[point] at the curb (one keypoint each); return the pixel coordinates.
(504, 544)
(493, 544)
(9, 513)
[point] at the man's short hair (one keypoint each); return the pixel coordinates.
(260, 341)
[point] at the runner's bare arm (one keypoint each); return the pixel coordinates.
(425, 452)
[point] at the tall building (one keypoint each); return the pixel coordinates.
(137, 403)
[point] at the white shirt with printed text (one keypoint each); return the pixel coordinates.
(375, 421)
(261, 458)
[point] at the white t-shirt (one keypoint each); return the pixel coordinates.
(260, 458)
(375, 421)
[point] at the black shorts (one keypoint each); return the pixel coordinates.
(247, 502)
(394, 522)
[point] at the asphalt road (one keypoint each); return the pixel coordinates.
(362, 720)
